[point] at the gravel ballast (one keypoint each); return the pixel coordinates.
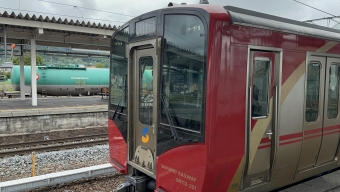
(18, 167)
(105, 183)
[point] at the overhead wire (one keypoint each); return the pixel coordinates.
(86, 8)
(318, 10)
(61, 15)
(64, 4)
(134, 16)
(314, 8)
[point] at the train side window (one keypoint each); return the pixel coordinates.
(333, 91)
(261, 85)
(313, 89)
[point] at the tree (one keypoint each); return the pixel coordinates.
(8, 74)
(99, 65)
(27, 60)
(16, 61)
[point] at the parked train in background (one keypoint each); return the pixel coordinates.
(64, 81)
(238, 100)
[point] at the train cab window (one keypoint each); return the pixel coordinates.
(313, 89)
(333, 91)
(118, 76)
(261, 81)
(183, 72)
(146, 27)
(145, 90)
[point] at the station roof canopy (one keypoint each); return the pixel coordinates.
(55, 31)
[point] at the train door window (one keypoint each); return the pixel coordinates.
(183, 71)
(261, 87)
(333, 91)
(313, 89)
(145, 90)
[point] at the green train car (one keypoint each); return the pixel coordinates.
(62, 81)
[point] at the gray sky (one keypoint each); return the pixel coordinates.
(283, 8)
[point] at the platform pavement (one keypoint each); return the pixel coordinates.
(325, 183)
(51, 105)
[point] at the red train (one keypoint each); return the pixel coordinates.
(237, 100)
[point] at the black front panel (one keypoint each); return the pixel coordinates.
(119, 118)
(184, 33)
(118, 80)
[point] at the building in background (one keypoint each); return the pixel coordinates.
(6, 67)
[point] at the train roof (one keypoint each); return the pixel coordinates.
(260, 20)
(239, 16)
(250, 18)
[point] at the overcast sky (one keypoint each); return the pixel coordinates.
(65, 8)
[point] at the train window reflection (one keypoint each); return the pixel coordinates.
(146, 27)
(183, 72)
(333, 92)
(145, 90)
(261, 79)
(313, 89)
(119, 68)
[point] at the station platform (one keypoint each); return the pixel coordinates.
(51, 105)
(52, 114)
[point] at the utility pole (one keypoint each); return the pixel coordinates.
(5, 41)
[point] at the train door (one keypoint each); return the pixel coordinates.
(143, 103)
(321, 123)
(330, 128)
(263, 82)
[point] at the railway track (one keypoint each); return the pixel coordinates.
(51, 145)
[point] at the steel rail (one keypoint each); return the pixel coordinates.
(55, 147)
(46, 142)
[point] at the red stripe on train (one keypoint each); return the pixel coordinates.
(332, 128)
(313, 131)
(265, 140)
(329, 133)
(329, 130)
(290, 142)
(291, 136)
(313, 136)
(264, 146)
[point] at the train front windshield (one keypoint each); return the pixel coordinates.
(118, 70)
(181, 76)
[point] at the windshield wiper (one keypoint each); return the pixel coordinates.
(121, 98)
(172, 128)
